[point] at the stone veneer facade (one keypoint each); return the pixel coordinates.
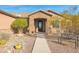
(48, 18)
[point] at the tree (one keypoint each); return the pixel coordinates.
(19, 25)
(75, 24)
(73, 17)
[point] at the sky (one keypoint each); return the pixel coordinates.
(30, 8)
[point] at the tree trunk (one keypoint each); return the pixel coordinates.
(20, 32)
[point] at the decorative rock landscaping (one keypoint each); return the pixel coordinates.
(18, 44)
(67, 45)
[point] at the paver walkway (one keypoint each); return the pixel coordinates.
(41, 45)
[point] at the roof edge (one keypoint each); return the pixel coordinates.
(39, 11)
(6, 13)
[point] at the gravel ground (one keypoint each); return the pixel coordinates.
(26, 41)
(67, 46)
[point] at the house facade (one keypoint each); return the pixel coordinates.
(5, 21)
(39, 21)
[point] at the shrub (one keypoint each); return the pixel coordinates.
(19, 25)
(3, 41)
(18, 46)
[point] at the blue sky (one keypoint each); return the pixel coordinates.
(30, 8)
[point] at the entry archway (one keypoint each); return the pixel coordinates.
(40, 24)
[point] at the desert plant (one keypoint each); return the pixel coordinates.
(19, 24)
(3, 41)
(18, 46)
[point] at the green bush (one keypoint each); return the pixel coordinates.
(19, 25)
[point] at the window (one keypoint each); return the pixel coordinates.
(56, 23)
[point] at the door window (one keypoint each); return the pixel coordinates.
(40, 25)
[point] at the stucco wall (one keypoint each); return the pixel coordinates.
(5, 21)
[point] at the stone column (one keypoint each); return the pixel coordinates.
(31, 26)
(48, 26)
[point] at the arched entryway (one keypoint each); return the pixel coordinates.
(40, 24)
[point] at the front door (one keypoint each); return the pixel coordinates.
(40, 26)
